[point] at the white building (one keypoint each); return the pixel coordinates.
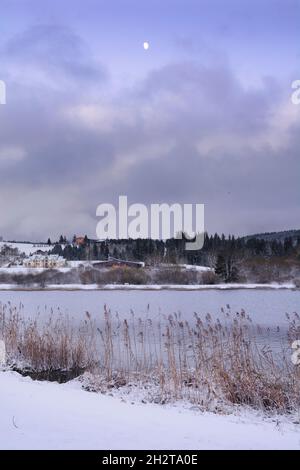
(44, 261)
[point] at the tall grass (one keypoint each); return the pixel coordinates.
(52, 343)
(208, 361)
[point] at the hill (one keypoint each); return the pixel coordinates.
(275, 236)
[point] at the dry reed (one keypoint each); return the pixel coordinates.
(207, 361)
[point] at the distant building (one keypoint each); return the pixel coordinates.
(44, 261)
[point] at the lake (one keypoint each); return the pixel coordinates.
(266, 307)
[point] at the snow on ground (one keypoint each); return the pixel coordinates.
(185, 287)
(188, 267)
(43, 415)
(287, 285)
(24, 271)
(194, 267)
(27, 248)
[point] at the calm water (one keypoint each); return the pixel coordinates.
(266, 307)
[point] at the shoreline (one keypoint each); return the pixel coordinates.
(149, 287)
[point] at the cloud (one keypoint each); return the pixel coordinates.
(187, 132)
(52, 55)
(10, 155)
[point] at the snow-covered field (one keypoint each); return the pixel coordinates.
(43, 415)
(27, 248)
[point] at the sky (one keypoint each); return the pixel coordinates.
(203, 116)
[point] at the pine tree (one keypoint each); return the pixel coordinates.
(57, 250)
(232, 274)
(220, 268)
(288, 245)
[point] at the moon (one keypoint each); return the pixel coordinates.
(146, 45)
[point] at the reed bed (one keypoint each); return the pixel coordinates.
(210, 361)
(45, 343)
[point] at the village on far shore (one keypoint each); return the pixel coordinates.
(38, 255)
(262, 259)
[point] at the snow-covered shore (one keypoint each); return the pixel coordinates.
(43, 415)
(185, 287)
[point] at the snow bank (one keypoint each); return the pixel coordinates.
(24, 271)
(186, 287)
(42, 415)
(188, 267)
(288, 285)
(194, 267)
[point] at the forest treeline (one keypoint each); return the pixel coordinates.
(232, 258)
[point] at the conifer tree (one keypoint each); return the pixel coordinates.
(220, 268)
